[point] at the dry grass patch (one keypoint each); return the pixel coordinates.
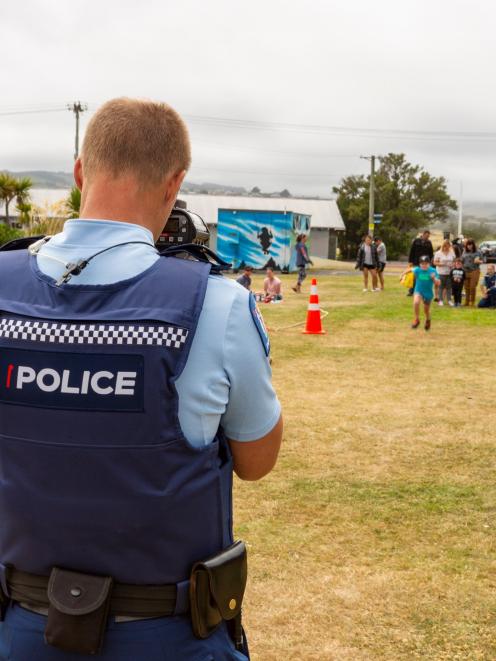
(374, 536)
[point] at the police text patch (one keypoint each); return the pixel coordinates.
(89, 382)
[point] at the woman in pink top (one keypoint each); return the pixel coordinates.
(444, 259)
(272, 287)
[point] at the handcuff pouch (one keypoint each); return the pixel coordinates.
(78, 611)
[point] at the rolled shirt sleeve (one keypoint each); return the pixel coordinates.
(253, 408)
(227, 378)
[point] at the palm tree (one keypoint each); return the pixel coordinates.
(73, 202)
(7, 192)
(24, 212)
(22, 188)
(11, 188)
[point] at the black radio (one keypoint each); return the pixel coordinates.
(182, 227)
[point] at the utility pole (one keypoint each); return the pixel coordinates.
(77, 107)
(460, 210)
(371, 192)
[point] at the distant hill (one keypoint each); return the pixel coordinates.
(482, 210)
(207, 188)
(46, 179)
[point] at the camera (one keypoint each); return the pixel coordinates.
(183, 227)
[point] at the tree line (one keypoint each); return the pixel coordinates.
(406, 195)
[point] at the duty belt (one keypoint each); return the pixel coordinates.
(140, 601)
(78, 604)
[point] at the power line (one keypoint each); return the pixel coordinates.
(271, 151)
(30, 112)
(268, 173)
(246, 124)
(224, 122)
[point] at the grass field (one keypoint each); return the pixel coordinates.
(374, 536)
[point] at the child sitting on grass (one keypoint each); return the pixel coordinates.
(425, 279)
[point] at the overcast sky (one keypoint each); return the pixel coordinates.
(409, 65)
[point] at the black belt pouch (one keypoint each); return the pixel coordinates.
(217, 586)
(4, 602)
(78, 611)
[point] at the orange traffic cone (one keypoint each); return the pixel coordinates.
(314, 322)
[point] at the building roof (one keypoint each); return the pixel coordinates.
(325, 213)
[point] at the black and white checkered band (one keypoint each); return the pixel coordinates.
(56, 332)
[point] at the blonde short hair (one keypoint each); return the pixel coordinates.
(146, 139)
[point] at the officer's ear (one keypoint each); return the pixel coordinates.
(172, 186)
(78, 173)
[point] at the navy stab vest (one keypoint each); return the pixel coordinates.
(95, 472)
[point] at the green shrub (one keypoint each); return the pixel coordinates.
(8, 233)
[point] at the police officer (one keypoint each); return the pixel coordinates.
(128, 394)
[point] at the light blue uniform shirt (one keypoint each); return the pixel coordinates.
(227, 378)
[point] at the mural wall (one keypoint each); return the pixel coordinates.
(260, 239)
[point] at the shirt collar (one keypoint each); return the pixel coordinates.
(97, 233)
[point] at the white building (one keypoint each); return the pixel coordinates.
(326, 220)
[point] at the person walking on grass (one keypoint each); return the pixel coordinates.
(368, 262)
(471, 259)
(382, 257)
(425, 279)
(444, 259)
(302, 259)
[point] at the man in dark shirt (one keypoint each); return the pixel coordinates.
(245, 278)
(420, 246)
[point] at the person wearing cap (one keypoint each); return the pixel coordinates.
(245, 278)
(425, 279)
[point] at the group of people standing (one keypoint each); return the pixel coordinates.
(372, 259)
(452, 268)
(458, 267)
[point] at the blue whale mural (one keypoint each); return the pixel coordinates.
(260, 239)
